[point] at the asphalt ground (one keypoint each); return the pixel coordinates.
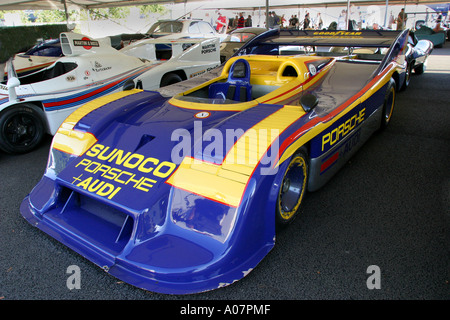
(388, 208)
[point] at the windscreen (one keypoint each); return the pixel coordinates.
(166, 27)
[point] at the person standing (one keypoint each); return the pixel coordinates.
(282, 21)
(248, 21)
(319, 21)
(270, 21)
(306, 22)
(221, 23)
(241, 21)
(293, 22)
(235, 23)
(341, 20)
(276, 19)
(401, 19)
(438, 28)
(391, 21)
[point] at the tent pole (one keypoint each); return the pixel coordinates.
(386, 14)
(67, 14)
(348, 15)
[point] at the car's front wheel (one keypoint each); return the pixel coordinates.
(292, 189)
(21, 128)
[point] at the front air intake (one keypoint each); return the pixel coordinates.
(91, 221)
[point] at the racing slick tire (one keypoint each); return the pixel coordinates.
(21, 128)
(169, 79)
(388, 104)
(292, 189)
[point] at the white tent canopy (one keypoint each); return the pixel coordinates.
(229, 4)
(258, 6)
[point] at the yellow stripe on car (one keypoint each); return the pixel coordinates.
(226, 182)
(76, 142)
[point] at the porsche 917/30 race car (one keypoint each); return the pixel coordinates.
(179, 190)
(38, 102)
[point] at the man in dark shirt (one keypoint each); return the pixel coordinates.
(241, 21)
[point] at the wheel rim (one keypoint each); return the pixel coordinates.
(20, 130)
(292, 188)
(389, 105)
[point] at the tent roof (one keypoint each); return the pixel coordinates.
(246, 5)
(59, 4)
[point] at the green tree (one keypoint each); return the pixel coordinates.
(148, 9)
(108, 13)
(50, 16)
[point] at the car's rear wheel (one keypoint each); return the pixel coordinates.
(292, 189)
(388, 104)
(407, 76)
(21, 128)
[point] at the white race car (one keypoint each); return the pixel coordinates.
(36, 104)
(39, 56)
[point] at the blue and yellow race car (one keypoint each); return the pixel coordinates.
(180, 190)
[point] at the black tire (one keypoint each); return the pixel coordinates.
(21, 128)
(388, 104)
(419, 69)
(292, 189)
(169, 79)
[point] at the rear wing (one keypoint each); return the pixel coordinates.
(75, 44)
(360, 38)
(322, 42)
(325, 38)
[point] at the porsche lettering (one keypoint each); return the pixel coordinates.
(342, 130)
(208, 48)
(116, 175)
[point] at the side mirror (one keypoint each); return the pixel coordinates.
(128, 85)
(308, 102)
(12, 84)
